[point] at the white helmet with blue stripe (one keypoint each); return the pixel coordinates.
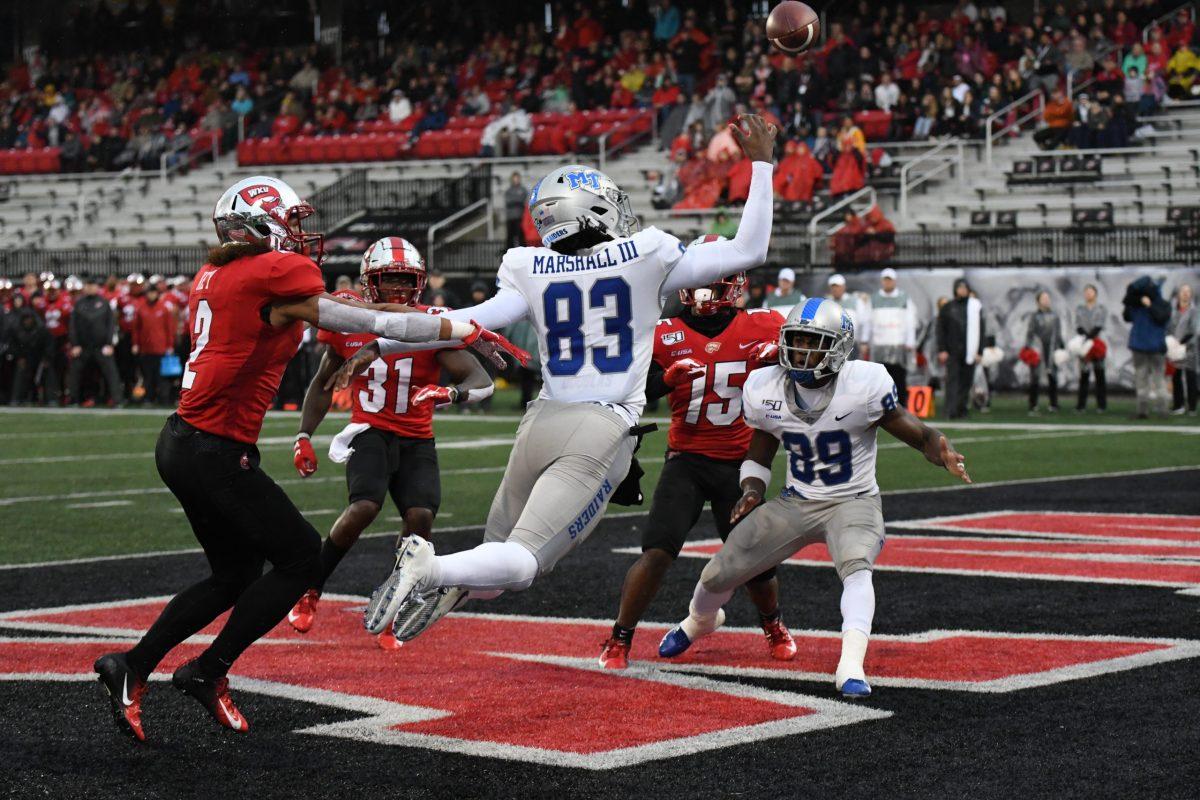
(575, 198)
(815, 340)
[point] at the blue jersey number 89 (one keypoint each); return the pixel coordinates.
(832, 449)
(563, 307)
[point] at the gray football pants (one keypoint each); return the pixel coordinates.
(567, 461)
(852, 529)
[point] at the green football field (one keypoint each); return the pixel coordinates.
(82, 483)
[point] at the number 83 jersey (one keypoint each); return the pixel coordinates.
(828, 434)
(595, 314)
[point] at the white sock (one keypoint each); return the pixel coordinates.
(704, 611)
(490, 566)
(858, 611)
(485, 594)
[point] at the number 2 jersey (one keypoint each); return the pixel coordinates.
(237, 358)
(382, 395)
(828, 434)
(706, 414)
(595, 315)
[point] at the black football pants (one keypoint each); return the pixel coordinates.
(242, 519)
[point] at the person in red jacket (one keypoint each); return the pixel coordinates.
(739, 181)
(798, 174)
(153, 337)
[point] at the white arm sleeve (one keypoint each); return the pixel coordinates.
(505, 308)
(700, 266)
(342, 318)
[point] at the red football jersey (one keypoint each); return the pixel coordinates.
(126, 307)
(706, 414)
(382, 395)
(237, 359)
(57, 313)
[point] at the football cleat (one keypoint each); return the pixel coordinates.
(414, 557)
(420, 611)
(779, 640)
(677, 640)
(125, 689)
(855, 688)
(212, 693)
(615, 654)
(388, 642)
(305, 611)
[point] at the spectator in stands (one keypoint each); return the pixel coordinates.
(892, 332)
(877, 243)
(400, 107)
(1044, 334)
(476, 103)
(926, 124)
(93, 329)
(719, 103)
(960, 336)
(785, 296)
(153, 337)
(845, 240)
(798, 174)
(1135, 59)
(1059, 115)
(242, 103)
(1090, 318)
(724, 226)
(666, 22)
(1149, 314)
(516, 198)
(509, 134)
(887, 93)
(344, 283)
(29, 345)
(435, 116)
(1182, 70)
(1184, 326)
(439, 294)
(850, 171)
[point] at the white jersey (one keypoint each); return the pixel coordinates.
(595, 315)
(830, 438)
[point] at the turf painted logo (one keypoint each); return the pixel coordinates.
(536, 692)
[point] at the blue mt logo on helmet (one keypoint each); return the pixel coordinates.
(576, 180)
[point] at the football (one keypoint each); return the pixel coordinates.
(793, 27)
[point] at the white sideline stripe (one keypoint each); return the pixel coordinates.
(102, 504)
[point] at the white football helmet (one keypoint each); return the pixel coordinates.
(815, 340)
(575, 198)
(74, 284)
(392, 255)
(265, 209)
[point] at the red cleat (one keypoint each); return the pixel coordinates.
(615, 654)
(212, 693)
(302, 614)
(779, 640)
(387, 641)
(125, 689)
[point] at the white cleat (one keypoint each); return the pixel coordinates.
(420, 611)
(414, 560)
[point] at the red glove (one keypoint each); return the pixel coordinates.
(491, 344)
(304, 457)
(766, 353)
(440, 396)
(685, 370)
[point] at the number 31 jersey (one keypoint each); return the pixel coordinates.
(382, 396)
(706, 414)
(595, 315)
(831, 449)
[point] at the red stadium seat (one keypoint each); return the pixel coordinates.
(874, 124)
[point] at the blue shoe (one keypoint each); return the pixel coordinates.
(854, 689)
(675, 643)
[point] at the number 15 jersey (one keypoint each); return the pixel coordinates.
(830, 440)
(595, 315)
(706, 413)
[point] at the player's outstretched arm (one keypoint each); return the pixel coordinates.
(470, 382)
(932, 443)
(347, 316)
(318, 399)
(755, 474)
(700, 266)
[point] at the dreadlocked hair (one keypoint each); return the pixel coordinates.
(225, 253)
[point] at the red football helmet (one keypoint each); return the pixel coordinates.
(392, 255)
(707, 300)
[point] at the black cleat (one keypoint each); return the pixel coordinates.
(125, 688)
(212, 693)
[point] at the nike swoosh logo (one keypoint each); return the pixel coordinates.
(843, 416)
(125, 692)
(747, 345)
(235, 722)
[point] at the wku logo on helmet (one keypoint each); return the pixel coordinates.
(260, 196)
(537, 694)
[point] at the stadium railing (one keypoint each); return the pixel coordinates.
(932, 162)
